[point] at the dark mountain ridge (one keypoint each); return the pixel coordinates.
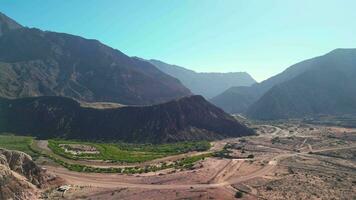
(43, 63)
(189, 118)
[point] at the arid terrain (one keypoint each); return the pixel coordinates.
(283, 161)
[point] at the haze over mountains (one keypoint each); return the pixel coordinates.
(296, 91)
(37, 63)
(86, 70)
(207, 84)
(327, 87)
(49, 67)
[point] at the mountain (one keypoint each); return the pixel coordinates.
(184, 119)
(239, 99)
(236, 99)
(326, 88)
(206, 84)
(7, 24)
(43, 63)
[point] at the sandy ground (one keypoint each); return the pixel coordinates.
(305, 159)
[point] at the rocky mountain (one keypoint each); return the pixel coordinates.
(43, 63)
(20, 177)
(7, 24)
(188, 118)
(326, 88)
(239, 99)
(206, 84)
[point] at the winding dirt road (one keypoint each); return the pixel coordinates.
(115, 181)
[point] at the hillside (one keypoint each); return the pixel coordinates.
(206, 84)
(20, 177)
(7, 24)
(43, 63)
(329, 87)
(239, 99)
(189, 118)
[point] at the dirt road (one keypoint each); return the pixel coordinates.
(115, 180)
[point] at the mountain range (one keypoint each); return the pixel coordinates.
(43, 63)
(321, 85)
(208, 84)
(327, 87)
(185, 119)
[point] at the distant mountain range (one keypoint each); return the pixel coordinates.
(43, 63)
(206, 84)
(326, 88)
(185, 119)
(321, 85)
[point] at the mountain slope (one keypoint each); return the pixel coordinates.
(329, 87)
(206, 84)
(41, 63)
(189, 118)
(7, 24)
(239, 99)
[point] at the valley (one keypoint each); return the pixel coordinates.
(282, 157)
(111, 113)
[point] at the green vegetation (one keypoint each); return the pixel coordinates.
(139, 153)
(239, 195)
(19, 143)
(185, 163)
(188, 162)
(224, 153)
(128, 153)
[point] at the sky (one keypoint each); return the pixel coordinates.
(261, 37)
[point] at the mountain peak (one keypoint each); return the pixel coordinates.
(7, 24)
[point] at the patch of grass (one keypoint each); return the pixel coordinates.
(128, 153)
(18, 143)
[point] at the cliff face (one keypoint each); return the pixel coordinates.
(189, 118)
(20, 177)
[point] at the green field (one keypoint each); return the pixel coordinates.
(19, 143)
(128, 153)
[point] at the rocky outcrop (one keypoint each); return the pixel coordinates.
(22, 163)
(20, 177)
(12, 187)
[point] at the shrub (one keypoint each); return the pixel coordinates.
(239, 195)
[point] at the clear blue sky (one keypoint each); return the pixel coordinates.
(262, 37)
